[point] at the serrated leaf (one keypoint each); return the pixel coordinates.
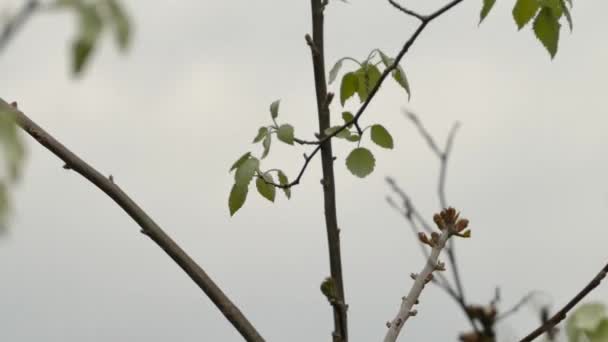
(524, 11)
(266, 144)
(546, 28)
(284, 181)
(262, 132)
(485, 10)
(348, 117)
(285, 134)
(343, 133)
(333, 73)
(237, 198)
(399, 76)
(381, 136)
(274, 109)
(266, 190)
(368, 76)
(240, 161)
(120, 20)
(245, 171)
(349, 86)
(360, 162)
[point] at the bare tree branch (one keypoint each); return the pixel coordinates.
(561, 314)
(523, 301)
(449, 224)
(13, 25)
(148, 226)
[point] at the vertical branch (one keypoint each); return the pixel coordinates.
(329, 190)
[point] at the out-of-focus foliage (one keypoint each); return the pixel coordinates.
(93, 17)
(12, 153)
(588, 323)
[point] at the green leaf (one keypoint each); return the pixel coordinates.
(348, 117)
(284, 181)
(524, 11)
(333, 73)
(13, 148)
(600, 334)
(381, 136)
(265, 189)
(262, 132)
(360, 162)
(368, 76)
(274, 109)
(386, 60)
(89, 29)
(285, 134)
(240, 161)
(353, 137)
(585, 319)
(349, 86)
(266, 145)
(567, 13)
(487, 7)
(122, 27)
(546, 28)
(237, 198)
(399, 76)
(246, 170)
(343, 133)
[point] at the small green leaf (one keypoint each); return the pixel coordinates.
(274, 109)
(284, 181)
(353, 137)
(360, 162)
(386, 60)
(348, 117)
(524, 11)
(333, 73)
(567, 13)
(122, 28)
(343, 133)
(285, 134)
(240, 161)
(381, 136)
(546, 28)
(487, 7)
(600, 334)
(89, 29)
(246, 170)
(399, 76)
(237, 198)
(368, 76)
(349, 86)
(262, 132)
(265, 189)
(266, 144)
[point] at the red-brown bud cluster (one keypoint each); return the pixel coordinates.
(449, 219)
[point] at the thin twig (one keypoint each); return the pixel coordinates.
(15, 23)
(561, 314)
(407, 11)
(523, 301)
(148, 226)
(355, 121)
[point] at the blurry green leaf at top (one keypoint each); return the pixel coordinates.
(588, 321)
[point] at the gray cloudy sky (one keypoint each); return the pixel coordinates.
(167, 120)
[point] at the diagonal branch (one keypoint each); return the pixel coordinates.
(561, 314)
(148, 226)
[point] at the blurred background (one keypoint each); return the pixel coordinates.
(168, 119)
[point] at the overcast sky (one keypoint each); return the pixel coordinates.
(168, 119)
